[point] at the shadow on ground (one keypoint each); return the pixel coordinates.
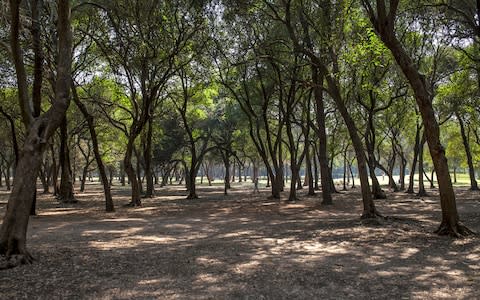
(245, 246)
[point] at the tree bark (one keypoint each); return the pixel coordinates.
(325, 174)
(468, 152)
(66, 185)
(416, 150)
(309, 173)
(421, 185)
(131, 174)
(147, 155)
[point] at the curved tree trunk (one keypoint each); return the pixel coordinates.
(384, 24)
(96, 151)
(369, 210)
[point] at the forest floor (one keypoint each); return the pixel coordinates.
(245, 246)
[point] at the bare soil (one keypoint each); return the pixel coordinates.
(245, 246)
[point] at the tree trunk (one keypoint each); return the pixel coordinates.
(325, 174)
(352, 175)
(416, 150)
(191, 182)
(468, 152)
(138, 162)
(292, 197)
(14, 227)
(84, 178)
(66, 185)
(421, 185)
(109, 207)
(122, 174)
(403, 166)
(345, 171)
(369, 210)
(7, 177)
(309, 173)
(147, 155)
(226, 161)
(240, 166)
(385, 25)
(132, 176)
(315, 170)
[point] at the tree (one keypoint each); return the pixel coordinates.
(383, 21)
(14, 227)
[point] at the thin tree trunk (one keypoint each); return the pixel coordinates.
(421, 186)
(132, 176)
(66, 185)
(325, 174)
(147, 155)
(468, 152)
(309, 173)
(416, 150)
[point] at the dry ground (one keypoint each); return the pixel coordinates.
(245, 246)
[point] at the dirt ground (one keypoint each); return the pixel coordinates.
(245, 246)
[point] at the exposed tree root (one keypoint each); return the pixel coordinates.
(133, 204)
(458, 230)
(292, 200)
(66, 200)
(15, 260)
(380, 195)
(422, 194)
(371, 215)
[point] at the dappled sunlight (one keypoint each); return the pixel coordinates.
(231, 248)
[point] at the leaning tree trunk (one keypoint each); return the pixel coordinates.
(385, 26)
(96, 151)
(369, 210)
(39, 130)
(468, 152)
